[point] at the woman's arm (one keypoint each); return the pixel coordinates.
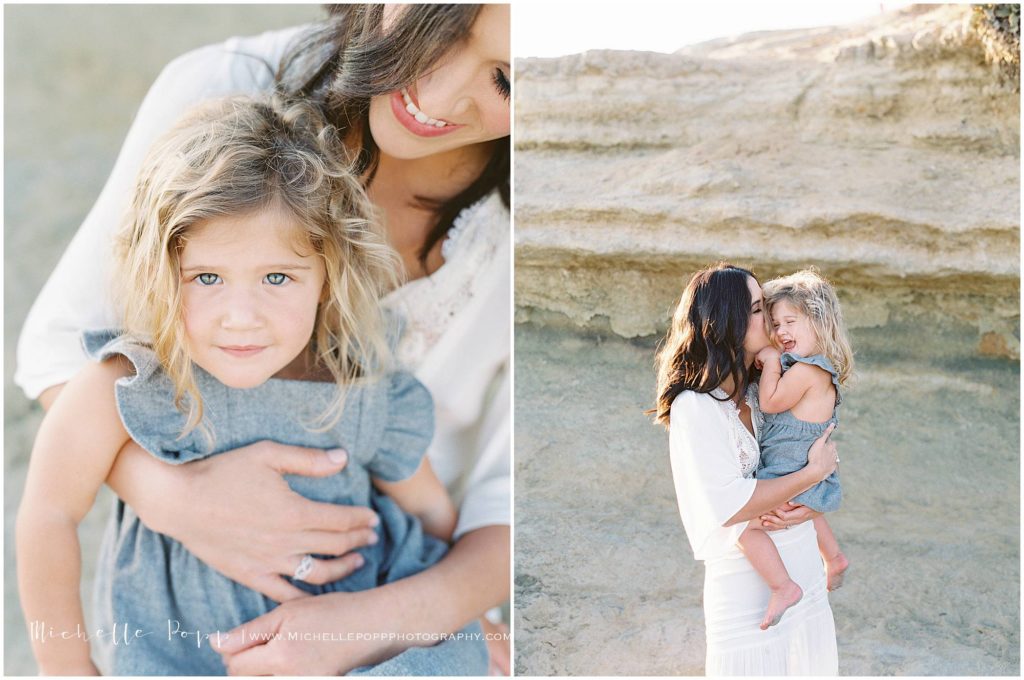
(473, 577)
(424, 496)
(787, 515)
(73, 451)
(246, 522)
(771, 493)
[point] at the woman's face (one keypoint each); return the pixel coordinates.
(462, 102)
(757, 332)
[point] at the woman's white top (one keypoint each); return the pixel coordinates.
(714, 457)
(458, 319)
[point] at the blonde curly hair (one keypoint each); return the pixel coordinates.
(814, 296)
(231, 157)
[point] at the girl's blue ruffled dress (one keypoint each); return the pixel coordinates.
(149, 582)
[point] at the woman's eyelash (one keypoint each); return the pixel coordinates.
(501, 82)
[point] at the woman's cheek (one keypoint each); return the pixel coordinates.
(498, 123)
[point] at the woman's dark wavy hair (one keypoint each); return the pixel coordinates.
(349, 58)
(704, 344)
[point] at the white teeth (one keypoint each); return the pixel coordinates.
(417, 114)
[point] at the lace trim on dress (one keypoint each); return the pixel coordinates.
(747, 451)
(429, 305)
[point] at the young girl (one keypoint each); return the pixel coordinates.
(250, 275)
(799, 397)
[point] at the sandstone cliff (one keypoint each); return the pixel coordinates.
(886, 153)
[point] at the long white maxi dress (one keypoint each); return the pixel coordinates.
(714, 457)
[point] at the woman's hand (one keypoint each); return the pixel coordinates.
(787, 515)
(330, 634)
(236, 512)
(823, 457)
(318, 635)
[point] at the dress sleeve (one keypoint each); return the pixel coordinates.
(488, 496)
(408, 429)
(710, 487)
(145, 400)
(77, 295)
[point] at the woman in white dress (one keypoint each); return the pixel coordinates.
(708, 400)
(421, 96)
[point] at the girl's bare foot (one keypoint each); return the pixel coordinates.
(782, 599)
(836, 568)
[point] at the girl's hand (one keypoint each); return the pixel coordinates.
(766, 356)
(822, 457)
(787, 515)
(308, 636)
(236, 512)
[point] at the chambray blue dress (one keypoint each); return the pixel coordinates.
(785, 440)
(149, 582)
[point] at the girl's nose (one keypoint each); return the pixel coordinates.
(241, 312)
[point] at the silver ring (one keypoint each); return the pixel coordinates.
(304, 569)
(786, 527)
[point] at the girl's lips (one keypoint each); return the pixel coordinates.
(421, 129)
(243, 351)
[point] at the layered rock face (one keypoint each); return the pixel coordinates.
(885, 153)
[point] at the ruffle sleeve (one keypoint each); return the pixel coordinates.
(789, 359)
(710, 486)
(408, 429)
(145, 400)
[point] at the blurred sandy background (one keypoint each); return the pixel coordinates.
(74, 76)
(887, 153)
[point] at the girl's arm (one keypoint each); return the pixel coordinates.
(778, 392)
(74, 450)
(424, 496)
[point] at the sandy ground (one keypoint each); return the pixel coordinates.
(606, 583)
(73, 78)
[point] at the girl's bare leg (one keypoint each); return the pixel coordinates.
(762, 553)
(835, 561)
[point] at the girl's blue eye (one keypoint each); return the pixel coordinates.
(501, 82)
(276, 279)
(208, 279)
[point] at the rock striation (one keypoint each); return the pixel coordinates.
(886, 153)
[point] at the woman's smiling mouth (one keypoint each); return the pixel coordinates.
(416, 121)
